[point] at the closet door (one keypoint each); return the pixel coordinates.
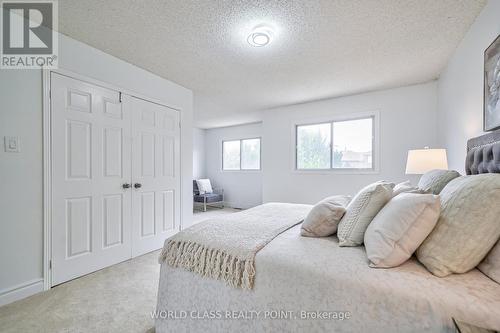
(155, 174)
(91, 148)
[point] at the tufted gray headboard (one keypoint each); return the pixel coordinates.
(483, 154)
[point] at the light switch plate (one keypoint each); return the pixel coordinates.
(11, 144)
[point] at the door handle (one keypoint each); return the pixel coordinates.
(137, 185)
(126, 185)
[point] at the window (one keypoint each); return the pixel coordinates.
(346, 144)
(241, 154)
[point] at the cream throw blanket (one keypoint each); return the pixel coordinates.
(224, 247)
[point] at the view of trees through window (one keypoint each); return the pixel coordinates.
(313, 146)
(241, 154)
(346, 144)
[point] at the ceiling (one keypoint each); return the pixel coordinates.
(321, 49)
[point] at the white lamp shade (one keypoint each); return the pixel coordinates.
(421, 161)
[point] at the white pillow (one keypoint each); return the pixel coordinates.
(400, 227)
(204, 186)
(324, 217)
(468, 226)
(490, 266)
(406, 187)
(361, 211)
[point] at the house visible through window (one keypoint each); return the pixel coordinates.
(241, 154)
(346, 144)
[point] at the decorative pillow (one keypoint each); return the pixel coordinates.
(361, 211)
(204, 186)
(400, 227)
(490, 266)
(406, 187)
(325, 216)
(435, 180)
(469, 225)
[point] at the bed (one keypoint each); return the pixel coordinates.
(312, 284)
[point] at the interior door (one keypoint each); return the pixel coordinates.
(91, 149)
(155, 174)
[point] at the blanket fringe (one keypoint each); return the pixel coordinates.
(212, 263)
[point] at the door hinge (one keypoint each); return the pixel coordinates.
(179, 124)
(120, 96)
(50, 264)
(50, 94)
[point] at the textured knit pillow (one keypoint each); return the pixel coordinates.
(400, 227)
(490, 266)
(325, 216)
(361, 211)
(469, 225)
(435, 180)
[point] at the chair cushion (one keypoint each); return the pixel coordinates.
(210, 197)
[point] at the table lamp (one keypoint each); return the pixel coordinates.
(422, 160)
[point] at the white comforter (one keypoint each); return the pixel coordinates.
(301, 277)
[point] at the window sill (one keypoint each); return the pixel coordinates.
(337, 172)
(241, 171)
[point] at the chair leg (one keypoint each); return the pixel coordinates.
(205, 205)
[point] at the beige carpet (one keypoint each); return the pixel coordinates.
(212, 212)
(119, 298)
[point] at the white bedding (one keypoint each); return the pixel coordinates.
(296, 274)
(224, 247)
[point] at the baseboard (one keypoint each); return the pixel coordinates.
(228, 204)
(21, 291)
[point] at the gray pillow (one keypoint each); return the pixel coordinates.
(435, 180)
(468, 227)
(325, 216)
(361, 211)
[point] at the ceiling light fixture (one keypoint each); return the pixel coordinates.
(260, 36)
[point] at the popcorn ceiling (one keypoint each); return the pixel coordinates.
(320, 49)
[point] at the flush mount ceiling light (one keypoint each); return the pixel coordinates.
(260, 36)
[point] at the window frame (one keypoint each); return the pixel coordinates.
(241, 146)
(374, 115)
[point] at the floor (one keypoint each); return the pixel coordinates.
(119, 298)
(199, 216)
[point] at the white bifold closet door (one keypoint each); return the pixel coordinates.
(115, 177)
(155, 174)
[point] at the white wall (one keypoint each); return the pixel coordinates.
(242, 189)
(460, 88)
(21, 212)
(407, 121)
(21, 227)
(199, 167)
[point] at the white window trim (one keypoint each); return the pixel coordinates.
(221, 145)
(334, 118)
